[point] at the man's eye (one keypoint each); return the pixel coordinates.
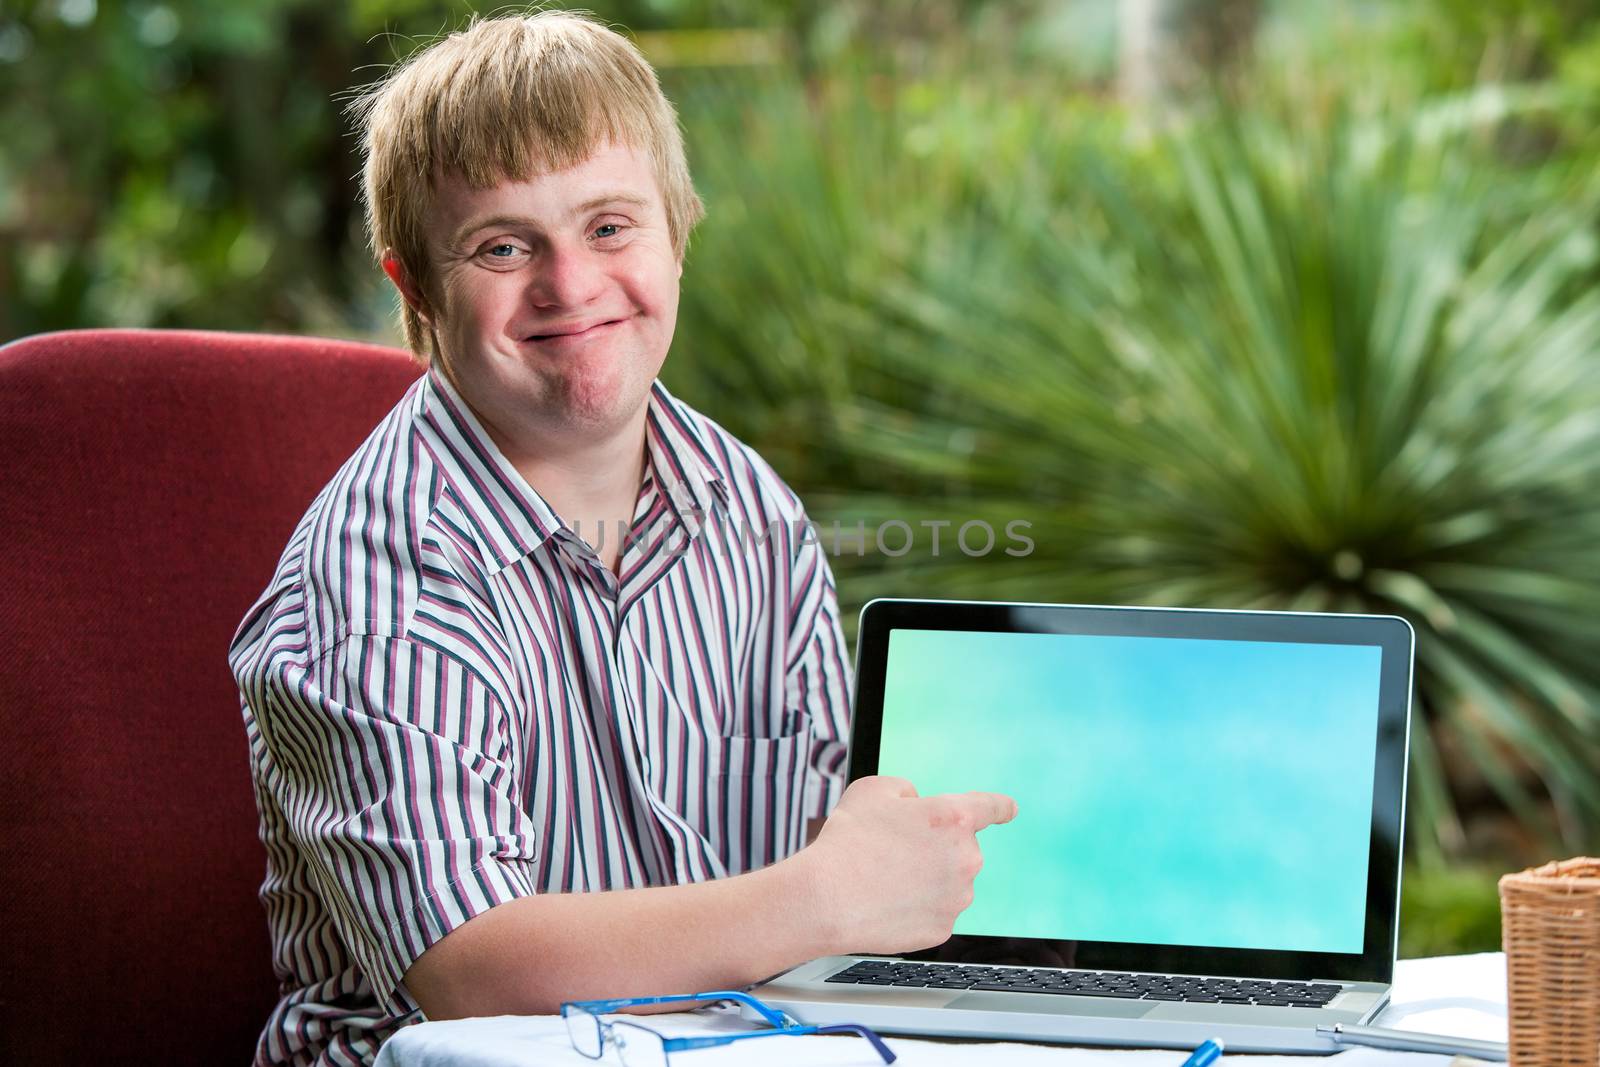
(502, 251)
(613, 227)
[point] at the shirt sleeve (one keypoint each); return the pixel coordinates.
(818, 677)
(390, 765)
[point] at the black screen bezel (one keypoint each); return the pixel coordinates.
(1375, 963)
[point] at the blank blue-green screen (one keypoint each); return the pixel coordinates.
(1170, 791)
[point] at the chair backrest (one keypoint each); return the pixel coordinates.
(149, 481)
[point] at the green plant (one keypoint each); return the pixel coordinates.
(1303, 359)
(1444, 912)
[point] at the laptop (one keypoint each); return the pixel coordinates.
(1208, 839)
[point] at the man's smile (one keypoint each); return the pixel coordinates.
(575, 332)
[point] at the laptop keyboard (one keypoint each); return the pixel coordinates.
(1114, 984)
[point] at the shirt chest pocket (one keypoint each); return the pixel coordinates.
(758, 794)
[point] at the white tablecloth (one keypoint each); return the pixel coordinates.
(1464, 996)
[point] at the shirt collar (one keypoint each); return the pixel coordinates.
(684, 467)
(510, 518)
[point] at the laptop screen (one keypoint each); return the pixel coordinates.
(1171, 791)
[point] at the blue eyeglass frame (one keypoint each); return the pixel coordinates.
(783, 1024)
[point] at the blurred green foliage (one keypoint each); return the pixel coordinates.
(187, 163)
(1311, 324)
(1449, 911)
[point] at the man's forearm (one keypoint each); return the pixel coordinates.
(528, 955)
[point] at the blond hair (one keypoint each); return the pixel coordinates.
(506, 99)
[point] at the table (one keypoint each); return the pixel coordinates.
(1464, 996)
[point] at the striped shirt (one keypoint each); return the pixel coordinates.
(450, 702)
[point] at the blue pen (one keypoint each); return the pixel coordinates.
(1208, 1053)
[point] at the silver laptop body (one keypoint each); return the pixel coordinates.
(1314, 946)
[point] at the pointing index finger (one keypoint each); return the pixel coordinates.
(990, 808)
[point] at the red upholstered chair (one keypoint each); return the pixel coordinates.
(149, 481)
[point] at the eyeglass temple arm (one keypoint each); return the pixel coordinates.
(776, 1018)
(678, 1044)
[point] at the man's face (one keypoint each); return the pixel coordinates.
(557, 297)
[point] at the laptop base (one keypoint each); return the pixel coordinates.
(1065, 1019)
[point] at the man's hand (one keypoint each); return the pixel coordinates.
(893, 870)
(889, 872)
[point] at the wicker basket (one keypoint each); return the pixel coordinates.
(1550, 928)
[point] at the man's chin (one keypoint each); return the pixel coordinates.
(597, 403)
(580, 401)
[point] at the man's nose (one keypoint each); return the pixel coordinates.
(567, 277)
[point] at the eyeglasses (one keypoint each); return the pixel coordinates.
(640, 1046)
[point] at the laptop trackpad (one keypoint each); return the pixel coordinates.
(1104, 1008)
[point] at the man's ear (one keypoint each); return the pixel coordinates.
(403, 281)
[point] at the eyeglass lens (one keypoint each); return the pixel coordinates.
(584, 1031)
(637, 1046)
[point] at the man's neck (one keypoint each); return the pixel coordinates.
(592, 484)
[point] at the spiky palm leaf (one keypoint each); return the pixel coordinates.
(1318, 364)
